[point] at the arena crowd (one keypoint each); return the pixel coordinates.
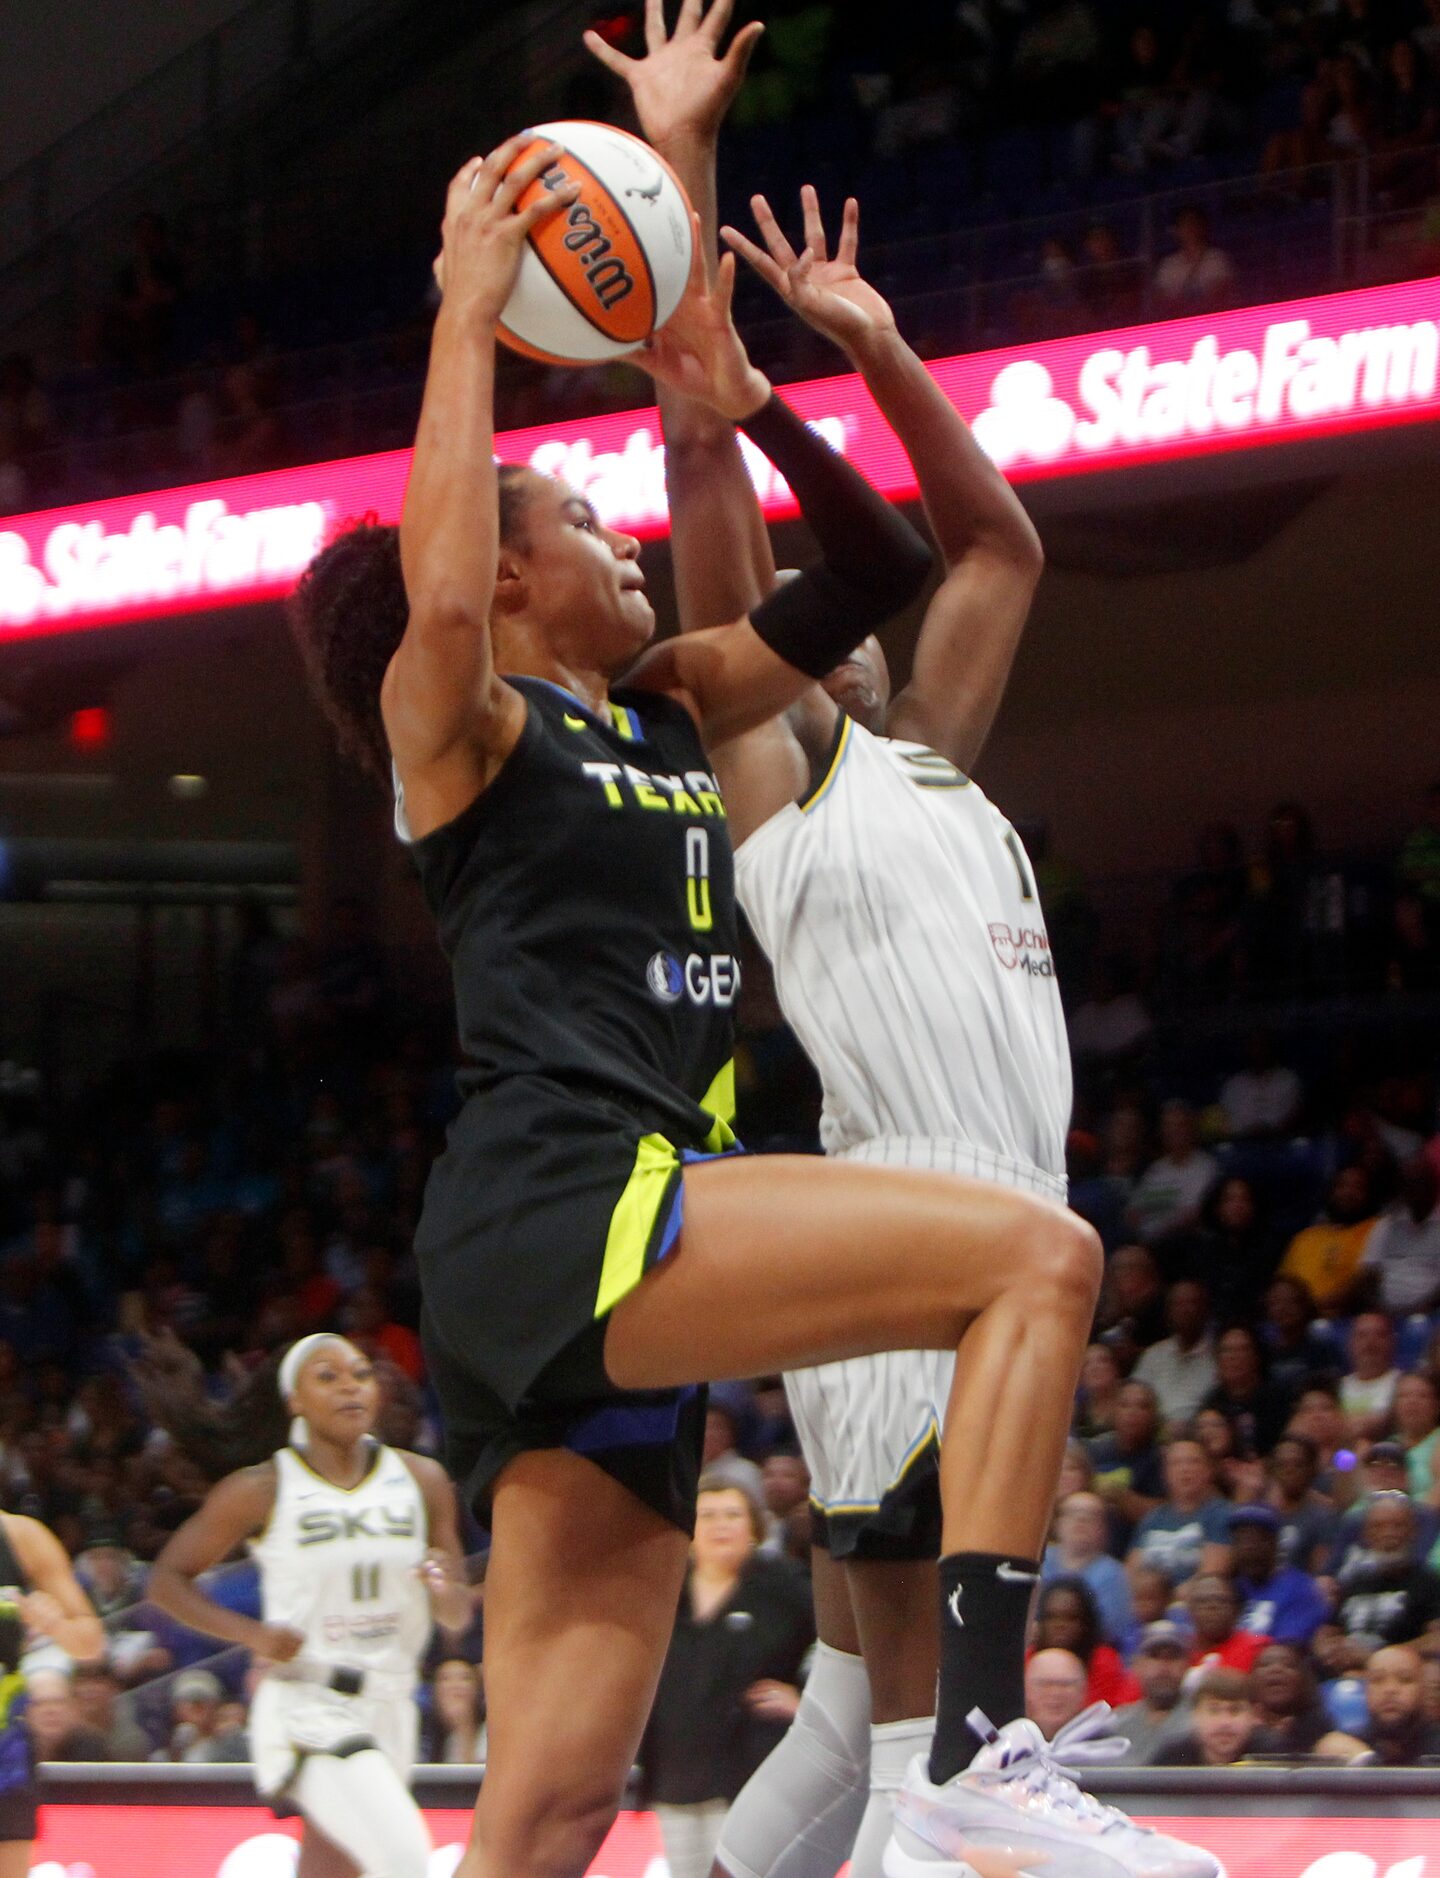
(1246, 1548)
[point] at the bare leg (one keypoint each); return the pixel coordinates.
(834, 1612)
(322, 1858)
(778, 1268)
(894, 1605)
(580, 1600)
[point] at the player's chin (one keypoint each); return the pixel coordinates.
(638, 616)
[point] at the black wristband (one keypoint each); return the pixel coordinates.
(874, 561)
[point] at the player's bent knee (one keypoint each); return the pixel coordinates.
(1062, 1261)
(553, 1834)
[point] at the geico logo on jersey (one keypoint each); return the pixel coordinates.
(374, 1522)
(695, 793)
(704, 978)
(1022, 948)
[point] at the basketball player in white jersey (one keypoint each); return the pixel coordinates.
(900, 914)
(358, 1553)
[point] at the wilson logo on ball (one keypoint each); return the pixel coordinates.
(597, 279)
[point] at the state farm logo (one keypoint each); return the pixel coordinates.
(1126, 398)
(1022, 948)
(1358, 1865)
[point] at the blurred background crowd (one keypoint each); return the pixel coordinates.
(1246, 1551)
(1026, 168)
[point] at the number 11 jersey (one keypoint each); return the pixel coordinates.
(339, 1564)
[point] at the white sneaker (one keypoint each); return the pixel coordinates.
(1016, 1813)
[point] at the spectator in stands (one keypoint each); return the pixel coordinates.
(148, 292)
(1167, 1198)
(1189, 1530)
(1318, 1418)
(1111, 1028)
(1132, 1299)
(1099, 1389)
(1223, 1719)
(1181, 1368)
(1278, 1601)
(1198, 274)
(1203, 931)
(1213, 1605)
(1129, 1468)
(1055, 1690)
(1289, 1714)
(197, 1724)
(1160, 1713)
(1111, 283)
(1367, 1393)
(100, 1705)
(454, 1734)
(1412, 957)
(1079, 1551)
(1234, 1468)
(1407, 119)
(1418, 865)
(1067, 1617)
(1103, 1197)
(1077, 1471)
(1402, 1255)
(1327, 1257)
(1262, 1101)
(57, 1731)
(110, 1574)
(1307, 1521)
(1244, 1394)
(1152, 1592)
(1233, 1246)
(1417, 1429)
(1299, 1350)
(697, 1754)
(1382, 1475)
(1055, 64)
(368, 1322)
(1386, 1596)
(785, 1489)
(1396, 1733)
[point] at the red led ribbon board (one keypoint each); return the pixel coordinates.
(1346, 362)
(246, 1842)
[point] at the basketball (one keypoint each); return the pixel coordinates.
(596, 280)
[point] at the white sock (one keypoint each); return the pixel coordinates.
(799, 1812)
(893, 1745)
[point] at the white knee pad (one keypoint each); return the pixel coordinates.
(798, 1814)
(893, 1745)
(361, 1803)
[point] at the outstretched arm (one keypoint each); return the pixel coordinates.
(449, 718)
(991, 552)
(682, 89)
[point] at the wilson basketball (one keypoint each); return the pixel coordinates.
(598, 278)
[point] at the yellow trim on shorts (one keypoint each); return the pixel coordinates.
(841, 746)
(718, 1103)
(632, 1224)
(925, 1444)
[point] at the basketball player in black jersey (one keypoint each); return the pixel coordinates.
(589, 1250)
(40, 1596)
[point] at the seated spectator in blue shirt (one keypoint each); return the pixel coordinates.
(1277, 1601)
(1081, 1530)
(1189, 1531)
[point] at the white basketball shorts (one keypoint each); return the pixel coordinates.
(870, 1427)
(289, 1720)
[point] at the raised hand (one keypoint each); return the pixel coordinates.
(483, 235)
(829, 295)
(699, 353)
(684, 85)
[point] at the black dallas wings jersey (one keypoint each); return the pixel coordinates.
(586, 903)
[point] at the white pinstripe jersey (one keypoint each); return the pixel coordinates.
(899, 912)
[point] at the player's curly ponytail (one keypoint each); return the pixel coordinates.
(348, 614)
